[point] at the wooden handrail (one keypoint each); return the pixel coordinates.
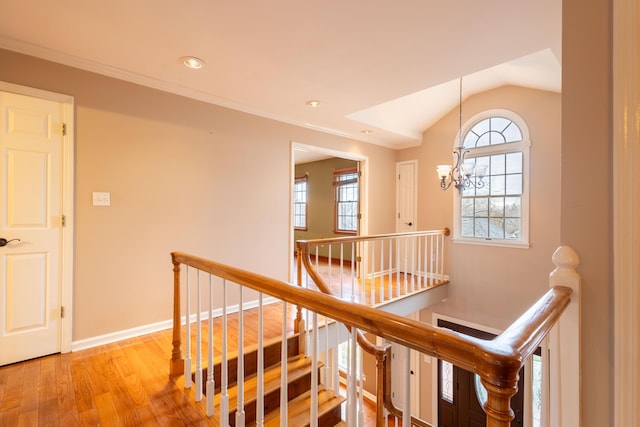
(496, 361)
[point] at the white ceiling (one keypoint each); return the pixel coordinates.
(389, 67)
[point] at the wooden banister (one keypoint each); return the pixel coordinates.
(496, 361)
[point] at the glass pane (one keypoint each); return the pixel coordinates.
(496, 228)
(514, 184)
(484, 140)
(481, 207)
(497, 185)
(499, 124)
(512, 133)
(470, 140)
(512, 228)
(536, 386)
(481, 228)
(466, 207)
(482, 126)
(483, 162)
(514, 162)
(512, 207)
(497, 164)
(496, 138)
(467, 227)
(483, 190)
(496, 207)
(446, 381)
(469, 191)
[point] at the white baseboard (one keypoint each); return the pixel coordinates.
(156, 327)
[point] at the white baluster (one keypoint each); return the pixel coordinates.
(353, 272)
(198, 373)
(314, 372)
(361, 387)
(330, 267)
(284, 392)
(431, 263)
(390, 267)
(240, 381)
(441, 257)
(341, 270)
(260, 367)
(373, 272)
(352, 401)
(381, 271)
(398, 268)
(187, 341)
(405, 268)
(224, 373)
(211, 385)
(406, 402)
(413, 264)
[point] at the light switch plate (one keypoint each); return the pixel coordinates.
(101, 199)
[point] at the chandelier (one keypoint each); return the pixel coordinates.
(462, 174)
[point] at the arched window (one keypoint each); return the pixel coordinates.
(497, 212)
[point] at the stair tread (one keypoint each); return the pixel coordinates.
(297, 366)
(298, 408)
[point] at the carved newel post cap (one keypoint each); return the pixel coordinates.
(565, 257)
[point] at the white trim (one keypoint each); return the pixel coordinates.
(626, 209)
(158, 326)
(67, 254)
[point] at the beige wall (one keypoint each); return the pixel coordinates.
(586, 223)
(183, 175)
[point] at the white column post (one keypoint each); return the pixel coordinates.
(564, 345)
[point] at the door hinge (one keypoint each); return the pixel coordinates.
(63, 221)
(63, 129)
(358, 259)
(61, 312)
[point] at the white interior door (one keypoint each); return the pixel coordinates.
(31, 139)
(398, 376)
(406, 196)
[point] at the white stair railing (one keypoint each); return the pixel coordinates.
(375, 269)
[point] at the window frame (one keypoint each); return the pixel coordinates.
(337, 184)
(522, 146)
(298, 180)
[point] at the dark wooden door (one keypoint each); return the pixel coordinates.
(461, 407)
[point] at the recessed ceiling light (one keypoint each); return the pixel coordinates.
(192, 62)
(366, 131)
(313, 103)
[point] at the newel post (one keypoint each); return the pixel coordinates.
(564, 345)
(176, 365)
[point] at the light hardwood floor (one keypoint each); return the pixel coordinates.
(120, 384)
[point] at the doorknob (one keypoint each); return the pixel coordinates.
(4, 242)
(408, 223)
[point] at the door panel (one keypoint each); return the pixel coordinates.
(406, 196)
(464, 409)
(30, 210)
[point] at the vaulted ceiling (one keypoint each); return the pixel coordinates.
(389, 68)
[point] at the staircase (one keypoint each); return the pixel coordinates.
(298, 386)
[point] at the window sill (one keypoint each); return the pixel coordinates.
(489, 242)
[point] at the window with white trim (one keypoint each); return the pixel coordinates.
(346, 200)
(300, 203)
(496, 212)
